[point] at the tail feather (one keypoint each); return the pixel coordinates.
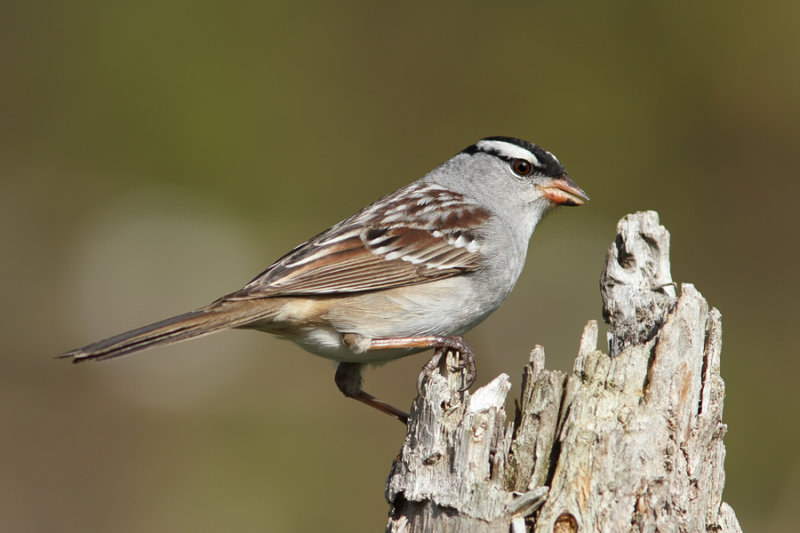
(171, 330)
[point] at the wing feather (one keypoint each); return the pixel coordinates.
(418, 234)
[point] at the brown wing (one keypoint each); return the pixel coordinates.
(420, 233)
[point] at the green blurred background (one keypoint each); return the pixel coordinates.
(154, 156)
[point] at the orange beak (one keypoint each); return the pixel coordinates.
(563, 191)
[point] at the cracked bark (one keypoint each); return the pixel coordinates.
(626, 441)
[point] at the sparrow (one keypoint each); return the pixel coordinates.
(414, 270)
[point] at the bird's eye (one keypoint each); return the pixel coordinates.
(522, 167)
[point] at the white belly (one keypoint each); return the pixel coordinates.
(445, 307)
(327, 342)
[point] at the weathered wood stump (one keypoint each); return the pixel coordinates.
(627, 441)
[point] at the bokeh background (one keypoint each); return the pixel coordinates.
(155, 155)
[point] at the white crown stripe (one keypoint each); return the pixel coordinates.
(509, 150)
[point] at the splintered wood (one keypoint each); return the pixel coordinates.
(630, 441)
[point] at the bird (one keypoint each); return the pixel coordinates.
(412, 271)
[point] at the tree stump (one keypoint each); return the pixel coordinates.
(628, 441)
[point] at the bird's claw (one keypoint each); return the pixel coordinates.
(427, 370)
(467, 354)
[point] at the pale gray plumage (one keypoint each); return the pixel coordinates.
(414, 270)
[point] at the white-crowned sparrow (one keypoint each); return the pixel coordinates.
(412, 271)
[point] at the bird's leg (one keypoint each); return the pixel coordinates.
(348, 379)
(441, 344)
(348, 375)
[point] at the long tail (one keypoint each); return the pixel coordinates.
(215, 317)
